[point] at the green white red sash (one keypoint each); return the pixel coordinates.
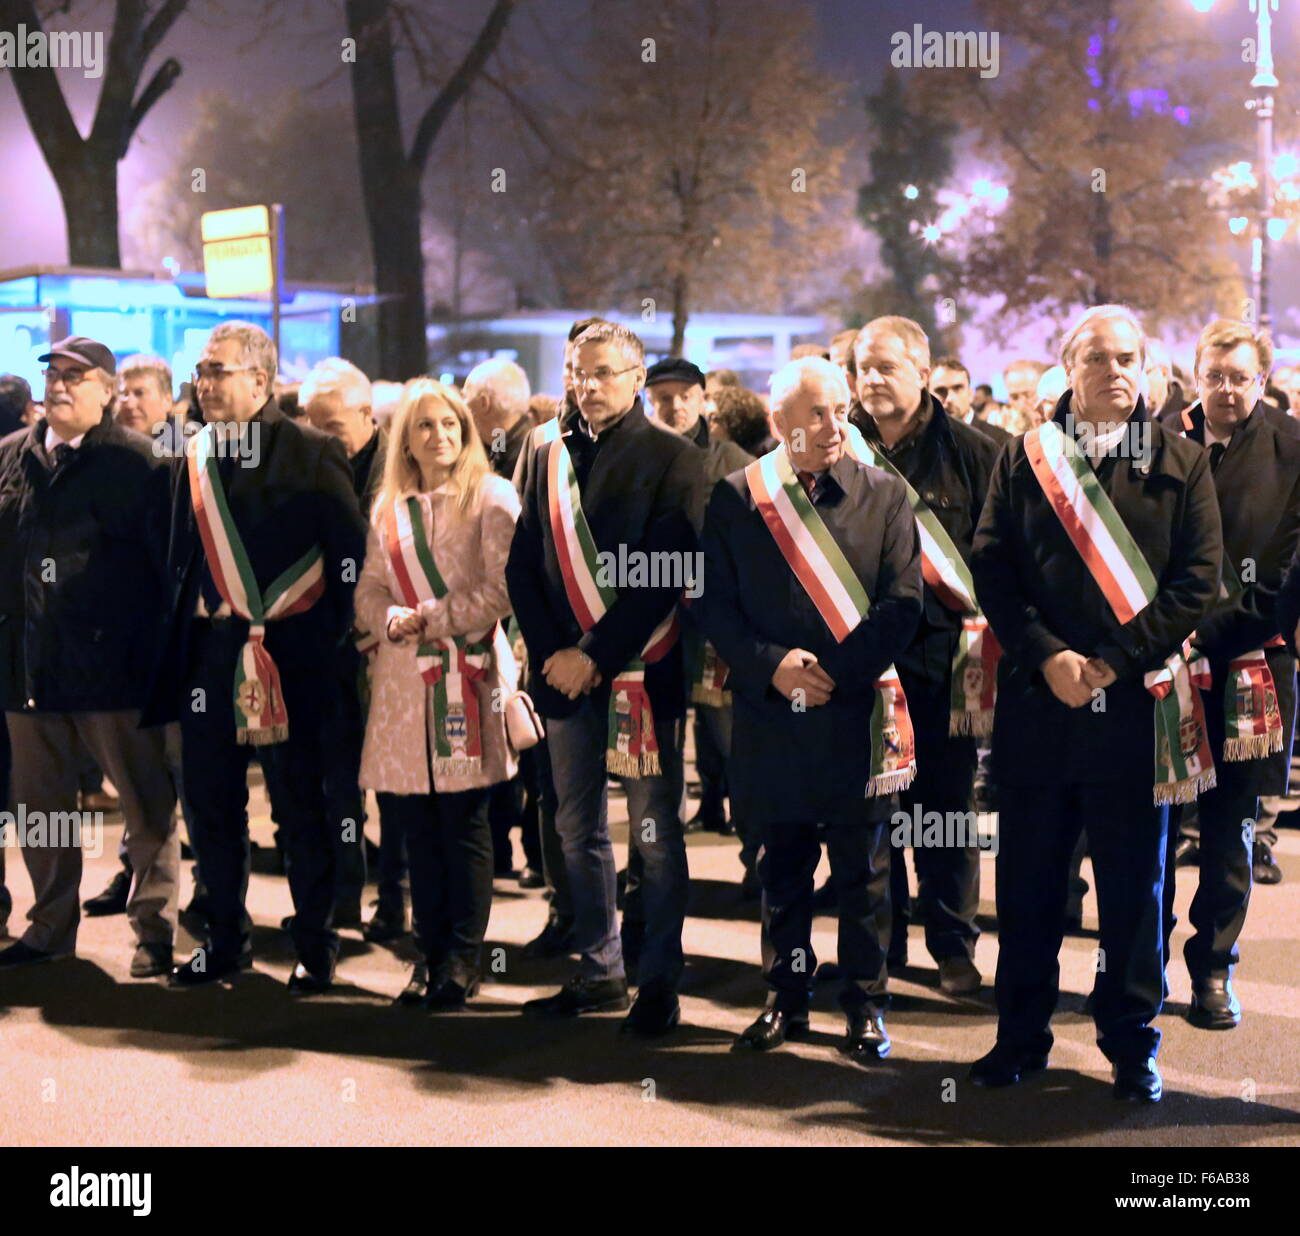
(452, 666)
(260, 713)
(632, 749)
(974, 674)
(1252, 721)
(708, 676)
(1184, 765)
(834, 588)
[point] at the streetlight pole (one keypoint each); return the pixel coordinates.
(1264, 83)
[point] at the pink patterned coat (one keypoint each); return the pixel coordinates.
(470, 552)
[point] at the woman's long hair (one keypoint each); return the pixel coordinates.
(401, 471)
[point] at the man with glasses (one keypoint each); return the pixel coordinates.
(267, 542)
(605, 663)
(82, 596)
(1250, 705)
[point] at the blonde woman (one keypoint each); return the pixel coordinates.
(433, 592)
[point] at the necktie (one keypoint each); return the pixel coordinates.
(808, 481)
(62, 453)
(1217, 451)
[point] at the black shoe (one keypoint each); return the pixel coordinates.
(348, 913)
(447, 995)
(1005, 1066)
(1187, 853)
(696, 824)
(187, 852)
(770, 1029)
(1214, 1004)
(151, 961)
(825, 900)
(1138, 1081)
(530, 877)
(958, 976)
(654, 1014)
(1073, 923)
(1263, 866)
(384, 927)
(305, 982)
(553, 941)
(865, 1038)
(21, 954)
(581, 995)
(204, 967)
(286, 923)
(416, 989)
(112, 900)
(827, 972)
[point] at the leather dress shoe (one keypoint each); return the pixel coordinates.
(151, 960)
(449, 995)
(1138, 1081)
(1187, 853)
(1214, 1004)
(1005, 1066)
(552, 941)
(530, 877)
(417, 987)
(655, 1012)
(581, 995)
(958, 976)
(112, 900)
(306, 982)
(384, 927)
(20, 954)
(865, 1038)
(204, 967)
(771, 1028)
(1263, 866)
(827, 972)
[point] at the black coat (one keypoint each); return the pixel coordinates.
(789, 766)
(298, 496)
(1041, 599)
(994, 433)
(81, 574)
(949, 465)
(639, 487)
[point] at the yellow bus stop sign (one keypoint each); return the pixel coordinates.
(237, 255)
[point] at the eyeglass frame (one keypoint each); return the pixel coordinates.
(1215, 378)
(613, 373)
(199, 375)
(65, 375)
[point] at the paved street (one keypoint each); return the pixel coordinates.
(91, 1057)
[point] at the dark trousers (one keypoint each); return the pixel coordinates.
(539, 787)
(1226, 817)
(506, 812)
(857, 843)
(711, 761)
(449, 852)
(215, 771)
(6, 898)
(1038, 828)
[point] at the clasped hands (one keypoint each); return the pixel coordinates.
(571, 672)
(404, 624)
(799, 671)
(1073, 677)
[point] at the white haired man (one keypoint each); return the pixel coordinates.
(1097, 555)
(498, 392)
(814, 588)
(947, 670)
(267, 541)
(605, 664)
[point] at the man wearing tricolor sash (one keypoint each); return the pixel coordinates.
(1256, 469)
(1096, 557)
(949, 669)
(605, 663)
(812, 589)
(266, 546)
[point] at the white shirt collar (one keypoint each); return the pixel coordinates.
(52, 440)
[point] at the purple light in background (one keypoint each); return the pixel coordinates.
(1094, 45)
(1183, 115)
(1093, 105)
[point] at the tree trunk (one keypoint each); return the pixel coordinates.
(681, 296)
(89, 190)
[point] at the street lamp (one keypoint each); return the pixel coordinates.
(1264, 83)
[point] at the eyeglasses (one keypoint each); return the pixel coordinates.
(602, 375)
(215, 373)
(1232, 381)
(70, 377)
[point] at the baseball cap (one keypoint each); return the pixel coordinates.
(89, 352)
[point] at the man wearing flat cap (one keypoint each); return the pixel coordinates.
(81, 600)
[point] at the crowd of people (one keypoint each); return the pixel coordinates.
(879, 595)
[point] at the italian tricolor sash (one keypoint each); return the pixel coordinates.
(975, 663)
(452, 666)
(260, 714)
(1252, 721)
(1184, 765)
(708, 676)
(633, 749)
(834, 588)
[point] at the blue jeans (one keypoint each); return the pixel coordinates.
(577, 750)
